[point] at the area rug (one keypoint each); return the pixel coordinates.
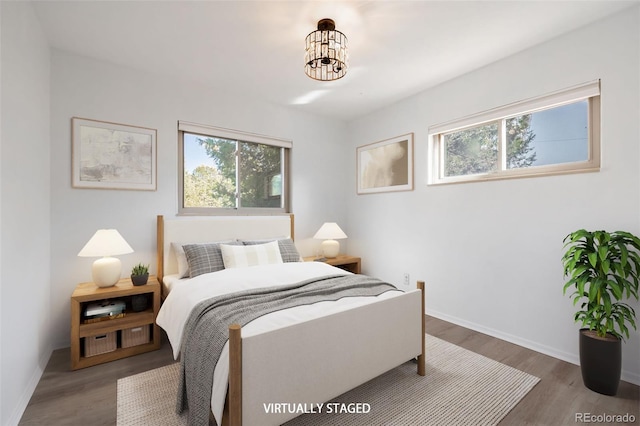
(460, 388)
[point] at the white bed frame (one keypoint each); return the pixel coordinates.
(310, 362)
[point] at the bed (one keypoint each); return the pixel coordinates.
(305, 354)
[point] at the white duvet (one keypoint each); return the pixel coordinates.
(185, 294)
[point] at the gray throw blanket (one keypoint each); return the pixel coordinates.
(206, 330)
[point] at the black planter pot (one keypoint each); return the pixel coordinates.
(600, 362)
(139, 279)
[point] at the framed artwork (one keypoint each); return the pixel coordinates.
(386, 165)
(113, 156)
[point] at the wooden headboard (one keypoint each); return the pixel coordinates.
(203, 229)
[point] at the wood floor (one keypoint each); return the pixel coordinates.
(88, 396)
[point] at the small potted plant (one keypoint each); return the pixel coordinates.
(140, 274)
(604, 269)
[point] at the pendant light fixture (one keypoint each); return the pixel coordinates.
(326, 56)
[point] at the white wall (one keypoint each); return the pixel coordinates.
(490, 252)
(24, 208)
(88, 88)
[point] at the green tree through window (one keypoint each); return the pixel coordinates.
(519, 139)
(241, 175)
(475, 150)
(472, 151)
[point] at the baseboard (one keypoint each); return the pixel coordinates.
(18, 410)
(630, 377)
(627, 376)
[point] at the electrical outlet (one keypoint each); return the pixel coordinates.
(406, 279)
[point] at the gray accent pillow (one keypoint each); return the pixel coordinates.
(204, 258)
(288, 249)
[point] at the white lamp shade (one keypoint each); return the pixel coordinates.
(105, 243)
(330, 232)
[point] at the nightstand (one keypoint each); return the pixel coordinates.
(342, 261)
(99, 341)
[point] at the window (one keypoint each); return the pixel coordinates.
(224, 171)
(556, 133)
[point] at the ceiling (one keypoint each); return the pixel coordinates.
(255, 48)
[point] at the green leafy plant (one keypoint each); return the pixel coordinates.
(140, 269)
(602, 267)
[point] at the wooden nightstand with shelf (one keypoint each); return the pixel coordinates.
(119, 328)
(342, 261)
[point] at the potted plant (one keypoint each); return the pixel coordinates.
(603, 268)
(140, 274)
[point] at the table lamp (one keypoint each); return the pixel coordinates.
(330, 232)
(106, 243)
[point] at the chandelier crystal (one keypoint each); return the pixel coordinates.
(326, 56)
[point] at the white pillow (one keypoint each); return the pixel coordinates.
(181, 259)
(245, 256)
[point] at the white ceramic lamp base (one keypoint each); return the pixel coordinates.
(330, 248)
(106, 271)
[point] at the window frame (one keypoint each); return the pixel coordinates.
(588, 91)
(243, 137)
